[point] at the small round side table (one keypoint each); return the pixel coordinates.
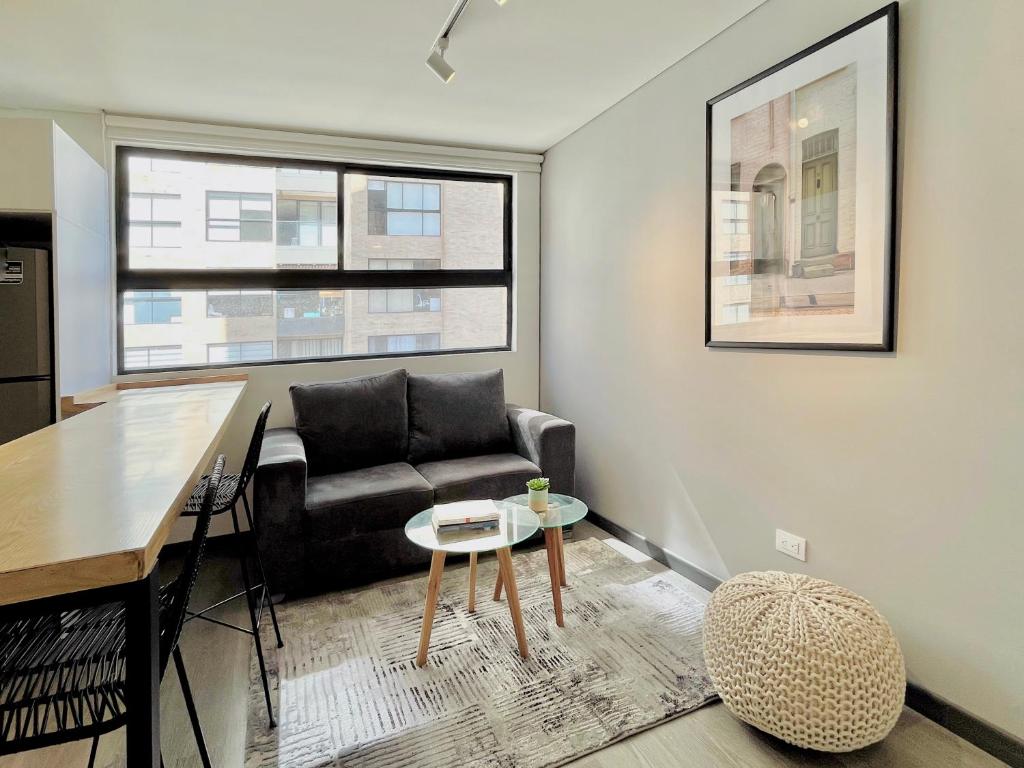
(516, 524)
(562, 511)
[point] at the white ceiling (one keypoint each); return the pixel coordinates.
(527, 74)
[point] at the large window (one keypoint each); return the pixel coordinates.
(275, 260)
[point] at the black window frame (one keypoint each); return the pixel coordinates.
(338, 278)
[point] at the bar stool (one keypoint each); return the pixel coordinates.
(62, 674)
(232, 490)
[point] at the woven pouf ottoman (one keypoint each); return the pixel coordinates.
(804, 660)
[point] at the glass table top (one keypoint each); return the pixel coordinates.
(562, 510)
(517, 523)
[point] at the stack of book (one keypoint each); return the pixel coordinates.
(466, 518)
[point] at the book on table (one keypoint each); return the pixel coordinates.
(466, 516)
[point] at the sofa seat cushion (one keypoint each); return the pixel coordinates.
(364, 500)
(493, 476)
(457, 414)
(361, 422)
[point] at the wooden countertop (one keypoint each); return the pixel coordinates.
(89, 501)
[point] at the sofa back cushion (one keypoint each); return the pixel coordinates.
(351, 424)
(457, 414)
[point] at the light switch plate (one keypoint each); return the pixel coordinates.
(791, 544)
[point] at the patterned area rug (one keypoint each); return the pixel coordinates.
(348, 692)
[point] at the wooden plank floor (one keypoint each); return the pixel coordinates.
(218, 662)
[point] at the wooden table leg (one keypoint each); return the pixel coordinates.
(433, 588)
(472, 582)
(561, 556)
(509, 578)
(497, 584)
(555, 571)
(142, 674)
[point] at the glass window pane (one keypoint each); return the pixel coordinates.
(309, 211)
(166, 236)
(256, 207)
(412, 196)
(405, 223)
(223, 232)
(378, 301)
(400, 300)
(220, 208)
(200, 328)
(167, 208)
(287, 233)
(287, 210)
(431, 197)
(394, 194)
(329, 236)
(309, 234)
(139, 235)
(464, 230)
(140, 208)
(432, 224)
(376, 185)
(257, 231)
(221, 203)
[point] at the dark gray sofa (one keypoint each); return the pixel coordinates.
(332, 495)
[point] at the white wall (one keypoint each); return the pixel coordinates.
(86, 128)
(903, 471)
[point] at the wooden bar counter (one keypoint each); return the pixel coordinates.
(87, 503)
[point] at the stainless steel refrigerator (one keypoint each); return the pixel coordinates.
(27, 397)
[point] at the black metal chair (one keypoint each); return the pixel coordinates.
(232, 490)
(62, 675)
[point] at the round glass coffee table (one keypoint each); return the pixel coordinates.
(562, 511)
(517, 523)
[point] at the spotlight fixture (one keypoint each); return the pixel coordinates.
(436, 61)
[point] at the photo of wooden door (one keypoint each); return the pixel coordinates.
(819, 201)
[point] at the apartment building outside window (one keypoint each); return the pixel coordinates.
(239, 217)
(306, 223)
(239, 351)
(155, 220)
(151, 308)
(282, 261)
(403, 208)
(410, 342)
(136, 358)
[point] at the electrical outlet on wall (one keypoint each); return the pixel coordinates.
(790, 544)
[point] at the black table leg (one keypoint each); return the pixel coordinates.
(143, 672)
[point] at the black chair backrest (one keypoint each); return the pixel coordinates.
(175, 603)
(252, 456)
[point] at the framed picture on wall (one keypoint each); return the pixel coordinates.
(801, 198)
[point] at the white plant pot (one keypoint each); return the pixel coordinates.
(538, 500)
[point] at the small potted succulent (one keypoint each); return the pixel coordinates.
(538, 498)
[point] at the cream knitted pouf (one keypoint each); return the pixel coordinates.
(804, 660)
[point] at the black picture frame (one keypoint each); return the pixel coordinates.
(890, 13)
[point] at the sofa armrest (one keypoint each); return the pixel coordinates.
(547, 441)
(279, 497)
